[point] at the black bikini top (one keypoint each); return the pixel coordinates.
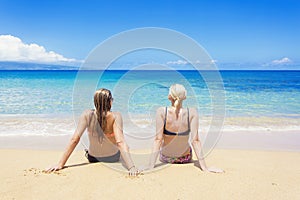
(166, 132)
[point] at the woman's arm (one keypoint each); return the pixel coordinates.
(82, 124)
(195, 139)
(197, 144)
(158, 138)
(123, 147)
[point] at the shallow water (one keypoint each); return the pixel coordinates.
(41, 102)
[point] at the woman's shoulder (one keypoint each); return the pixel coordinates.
(193, 111)
(88, 112)
(161, 109)
(116, 114)
(85, 115)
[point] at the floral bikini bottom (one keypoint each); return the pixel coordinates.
(177, 160)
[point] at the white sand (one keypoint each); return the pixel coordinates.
(249, 175)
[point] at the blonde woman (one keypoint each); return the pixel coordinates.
(105, 132)
(175, 125)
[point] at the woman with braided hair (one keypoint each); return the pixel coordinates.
(105, 132)
(175, 125)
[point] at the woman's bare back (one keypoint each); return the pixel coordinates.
(176, 145)
(101, 145)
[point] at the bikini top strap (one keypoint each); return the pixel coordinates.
(188, 118)
(165, 121)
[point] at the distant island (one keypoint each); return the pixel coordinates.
(5, 65)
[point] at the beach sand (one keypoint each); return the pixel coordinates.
(258, 164)
(249, 175)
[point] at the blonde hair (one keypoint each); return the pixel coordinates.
(178, 94)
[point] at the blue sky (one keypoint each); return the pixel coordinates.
(234, 32)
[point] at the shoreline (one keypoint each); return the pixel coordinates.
(49, 133)
(53, 125)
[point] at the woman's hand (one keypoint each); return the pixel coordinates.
(53, 168)
(133, 171)
(214, 170)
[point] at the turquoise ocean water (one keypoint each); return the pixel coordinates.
(269, 94)
(248, 93)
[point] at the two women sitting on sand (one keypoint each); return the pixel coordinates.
(174, 126)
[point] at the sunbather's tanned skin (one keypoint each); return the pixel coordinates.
(105, 136)
(174, 126)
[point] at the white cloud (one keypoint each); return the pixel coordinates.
(183, 62)
(201, 62)
(14, 49)
(284, 60)
(178, 62)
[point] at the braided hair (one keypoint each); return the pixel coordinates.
(178, 94)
